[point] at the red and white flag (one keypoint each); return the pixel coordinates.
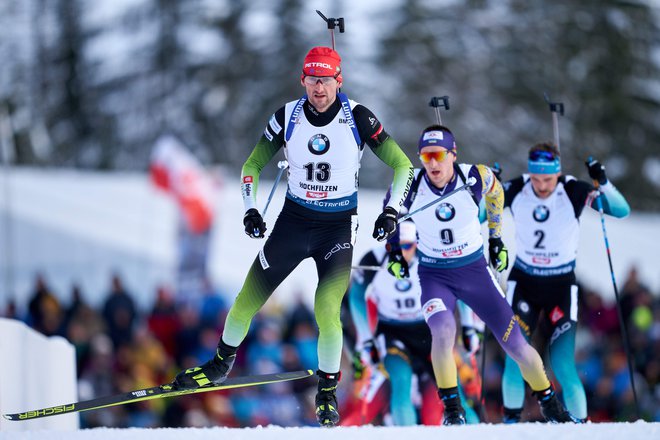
(175, 170)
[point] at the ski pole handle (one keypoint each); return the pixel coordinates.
(470, 181)
(438, 102)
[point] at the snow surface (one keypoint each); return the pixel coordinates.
(525, 431)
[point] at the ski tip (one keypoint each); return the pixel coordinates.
(8, 416)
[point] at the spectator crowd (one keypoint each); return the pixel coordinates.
(120, 348)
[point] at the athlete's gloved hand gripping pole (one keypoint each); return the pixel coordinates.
(498, 253)
(397, 264)
(255, 227)
(597, 174)
(385, 225)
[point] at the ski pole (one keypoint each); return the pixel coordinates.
(372, 268)
(624, 331)
(482, 396)
(498, 277)
(482, 392)
(555, 108)
(470, 181)
(282, 165)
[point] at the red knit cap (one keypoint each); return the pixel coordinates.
(322, 61)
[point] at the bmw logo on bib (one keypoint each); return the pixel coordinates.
(403, 285)
(318, 144)
(541, 213)
(445, 212)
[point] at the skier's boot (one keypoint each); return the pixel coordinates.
(454, 412)
(511, 415)
(213, 372)
(552, 409)
(327, 410)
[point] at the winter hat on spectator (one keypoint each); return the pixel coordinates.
(322, 61)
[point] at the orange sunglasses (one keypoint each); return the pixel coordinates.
(439, 156)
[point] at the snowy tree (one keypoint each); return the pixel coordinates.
(93, 84)
(496, 59)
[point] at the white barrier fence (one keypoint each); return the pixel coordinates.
(35, 372)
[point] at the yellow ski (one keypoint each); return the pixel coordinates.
(156, 392)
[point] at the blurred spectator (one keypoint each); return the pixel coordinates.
(212, 307)
(207, 343)
(304, 337)
(119, 313)
(146, 353)
(82, 324)
(11, 311)
(266, 347)
(630, 292)
(187, 339)
(76, 305)
(596, 315)
(163, 321)
(96, 380)
(299, 313)
(44, 310)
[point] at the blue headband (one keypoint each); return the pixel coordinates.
(437, 138)
(543, 167)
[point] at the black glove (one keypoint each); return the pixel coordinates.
(596, 171)
(397, 265)
(471, 339)
(254, 224)
(385, 225)
(499, 254)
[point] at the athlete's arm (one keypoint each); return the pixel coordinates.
(583, 194)
(492, 192)
(614, 203)
(386, 149)
(390, 153)
(270, 142)
(511, 189)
